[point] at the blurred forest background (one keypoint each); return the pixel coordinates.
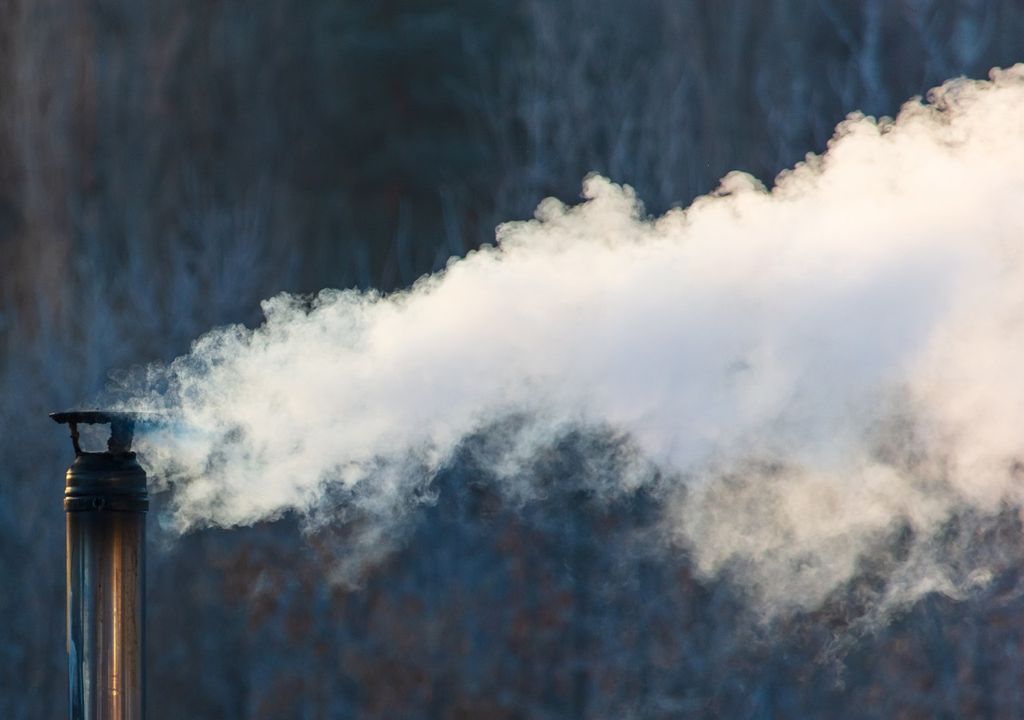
(164, 165)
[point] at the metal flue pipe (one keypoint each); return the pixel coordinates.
(105, 501)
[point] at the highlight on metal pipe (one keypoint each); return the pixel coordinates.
(105, 501)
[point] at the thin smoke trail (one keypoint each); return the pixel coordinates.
(801, 373)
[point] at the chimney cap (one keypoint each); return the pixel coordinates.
(122, 426)
(101, 417)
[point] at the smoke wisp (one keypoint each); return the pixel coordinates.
(802, 373)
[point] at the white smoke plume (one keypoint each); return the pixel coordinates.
(802, 374)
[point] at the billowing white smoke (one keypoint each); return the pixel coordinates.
(802, 374)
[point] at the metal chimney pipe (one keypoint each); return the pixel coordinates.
(105, 501)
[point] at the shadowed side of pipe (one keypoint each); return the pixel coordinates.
(105, 500)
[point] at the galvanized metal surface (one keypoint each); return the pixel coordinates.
(105, 500)
(106, 614)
